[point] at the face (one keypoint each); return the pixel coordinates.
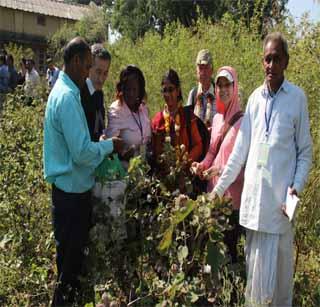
(170, 94)
(82, 66)
(225, 90)
(204, 73)
(99, 72)
(29, 65)
(131, 92)
(274, 63)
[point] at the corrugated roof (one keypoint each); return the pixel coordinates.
(47, 7)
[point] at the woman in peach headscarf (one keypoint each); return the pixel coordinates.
(225, 126)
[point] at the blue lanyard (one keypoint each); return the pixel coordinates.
(267, 119)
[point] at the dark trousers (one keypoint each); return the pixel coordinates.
(71, 213)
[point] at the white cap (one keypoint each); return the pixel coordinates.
(226, 74)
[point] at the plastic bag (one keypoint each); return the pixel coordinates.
(110, 169)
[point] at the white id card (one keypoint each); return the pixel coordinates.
(263, 154)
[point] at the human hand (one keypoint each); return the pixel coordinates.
(292, 191)
(212, 196)
(194, 168)
(103, 137)
(117, 144)
(211, 172)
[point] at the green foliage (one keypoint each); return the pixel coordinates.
(26, 244)
(173, 252)
(94, 27)
(136, 17)
(18, 52)
(27, 268)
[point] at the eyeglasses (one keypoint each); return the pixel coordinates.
(169, 89)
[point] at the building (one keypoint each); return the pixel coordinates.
(30, 22)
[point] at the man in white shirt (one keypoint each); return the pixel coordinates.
(274, 145)
(32, 79)
(52, 73)
(202, 96)
(92, 97)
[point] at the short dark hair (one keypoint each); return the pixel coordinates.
(98, 51)
(77, 46)
(277, 36)
(132, 70)
(172, 76)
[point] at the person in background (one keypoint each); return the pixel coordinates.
(275, 148)
(32, 79)
(70, 159)
(202, 96)
(92, 99)
(225, 127)
(52, 73)
(22, 72)
(4, 80)
(4, 75)
(13, 75)
(128, 116)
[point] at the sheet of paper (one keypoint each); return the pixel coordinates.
(291, 204)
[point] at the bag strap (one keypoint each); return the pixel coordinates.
(231, 122)
(187, 113)
(194, 96)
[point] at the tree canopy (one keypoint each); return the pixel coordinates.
(133, 18)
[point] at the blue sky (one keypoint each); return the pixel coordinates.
(298, 7)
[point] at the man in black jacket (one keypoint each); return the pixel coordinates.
(92, 94)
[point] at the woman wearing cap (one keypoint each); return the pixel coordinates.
(225, 126)
(128, 116)
(171, 123)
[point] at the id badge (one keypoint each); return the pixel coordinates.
(263, 154)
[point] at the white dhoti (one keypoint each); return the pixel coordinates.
(269, 264)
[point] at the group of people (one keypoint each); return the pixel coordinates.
(27, 76)
(253, 157)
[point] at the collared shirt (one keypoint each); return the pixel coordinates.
(203, 101)
(52, 76)
(70, 158)
(90, 86)
(133, 128)
(289, 158)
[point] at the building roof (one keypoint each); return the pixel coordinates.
(47, 7)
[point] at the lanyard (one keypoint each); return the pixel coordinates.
(139, 124)
(267, 118)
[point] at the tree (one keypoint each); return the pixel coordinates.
(133, 18)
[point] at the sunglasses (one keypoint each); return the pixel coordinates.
(169, 89)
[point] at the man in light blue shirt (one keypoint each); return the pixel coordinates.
(70, 159)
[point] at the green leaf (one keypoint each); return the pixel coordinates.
(215, 257)
(166, 240)
(183, 212)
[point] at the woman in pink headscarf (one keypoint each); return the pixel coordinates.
(225, 126)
